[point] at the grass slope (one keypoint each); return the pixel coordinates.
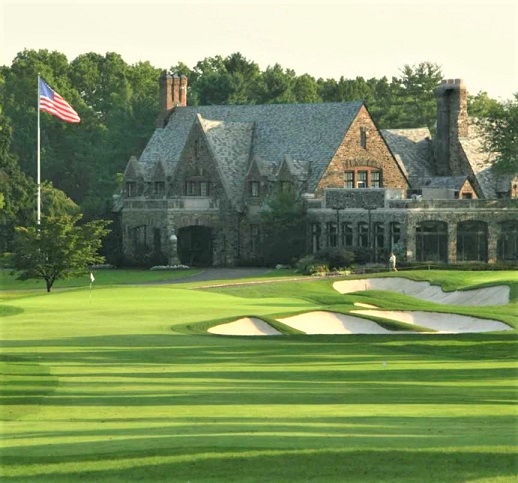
(107, 390)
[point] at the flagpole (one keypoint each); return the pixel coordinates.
(38, 159)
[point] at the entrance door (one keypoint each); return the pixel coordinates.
(195, 246)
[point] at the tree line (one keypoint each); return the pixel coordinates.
(118, 104)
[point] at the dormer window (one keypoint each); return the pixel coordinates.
(197, 188)
(159, 188)
(131, 189)
(254, 189)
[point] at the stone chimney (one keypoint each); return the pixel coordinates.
(452, 124)
(172, 93)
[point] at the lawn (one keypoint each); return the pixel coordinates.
(121, 384)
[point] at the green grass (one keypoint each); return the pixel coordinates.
(102, 278)
(125, 385)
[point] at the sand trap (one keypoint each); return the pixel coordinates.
(244, 326)
(498, 295)
(365, 306)
(321, 322)
(442, 323)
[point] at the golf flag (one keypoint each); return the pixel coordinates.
(50, 101)
(92, 278)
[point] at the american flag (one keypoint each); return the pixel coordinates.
(53, 103)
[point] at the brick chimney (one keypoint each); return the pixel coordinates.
(172, 93)
(452, 124)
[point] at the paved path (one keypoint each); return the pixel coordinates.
(220, 274)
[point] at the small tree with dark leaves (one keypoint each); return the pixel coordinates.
(59, 248)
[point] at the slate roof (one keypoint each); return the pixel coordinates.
(230, 143)
(481, 162)
(413, 149)
(309, 133)
(448, 182)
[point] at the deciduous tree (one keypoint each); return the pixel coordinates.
(59, 248)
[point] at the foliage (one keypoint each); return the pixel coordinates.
(283, 224)
(59, 248)
(501, 135)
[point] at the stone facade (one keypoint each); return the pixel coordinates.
(197, 192)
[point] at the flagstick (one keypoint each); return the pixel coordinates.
(39, 169)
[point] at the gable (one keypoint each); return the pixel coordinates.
(132, 170)
(351, 154)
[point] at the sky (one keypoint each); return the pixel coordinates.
(475, 41)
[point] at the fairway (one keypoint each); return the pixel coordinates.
(124, 383)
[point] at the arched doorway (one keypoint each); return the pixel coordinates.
(472, 241)
(195, 246)
(431, 241)
(508, 241)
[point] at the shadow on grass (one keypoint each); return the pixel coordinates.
(315, 464)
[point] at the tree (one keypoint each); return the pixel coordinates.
(415, 92)
(283, 227)
(59, 248)
(501, 135)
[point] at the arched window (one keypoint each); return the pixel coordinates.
(346, 234)
(395, 234)
(472, 241)
(508, 241)
(431, 240)
(363, 234)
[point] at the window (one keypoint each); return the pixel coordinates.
(196, 149)
(379, 234)
(157, 241)
(315, 236)
(467, 196)
(159, 188)
(395, 234)
(346, 234)
(349, 179)
(332, 235)
(197, 188)
(363, 234)
(363, 137)
(375, 179)
(363, 177)
(131, 189)
(254, 189)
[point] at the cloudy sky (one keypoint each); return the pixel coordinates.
(476, 41)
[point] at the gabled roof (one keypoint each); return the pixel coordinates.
(448, 182)
(230, 143)
(133, 169)
(481, 164)
(310, 132)
(412, 148)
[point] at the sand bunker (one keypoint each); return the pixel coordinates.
(442, 323)
(321, 322)
(498, 295)
(244, 326)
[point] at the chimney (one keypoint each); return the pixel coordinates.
(183, 90)
(173, 92)
(165, 83)
(452, 124)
